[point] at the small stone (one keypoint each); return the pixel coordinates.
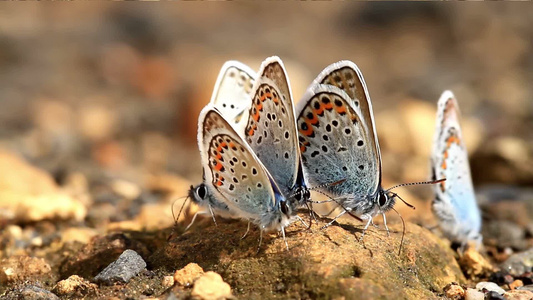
(128, 264)
(29, 292)
(454, 291)
(474, 264)
(20, 268)
(518, 295)
(517, 283)
(492, 295)
(211, 286)
(167, 281)
(519, 263)
(490, 286)
(187, 275)
(528, 287)
(75, 286)
(472, 294)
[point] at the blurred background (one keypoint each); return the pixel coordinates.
(104, 97)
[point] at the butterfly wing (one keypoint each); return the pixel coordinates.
(232, 89)
(335, 144)
(455, 202)
(233, 174)
(347, 76)
(271, 127)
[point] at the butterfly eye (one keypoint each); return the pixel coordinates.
(284, 208)
(382, 199)
(201, 191)
(298, 196)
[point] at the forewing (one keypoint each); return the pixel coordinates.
(232, 90)
(346, 76)
(271, 127)
(335, 144)
(231, 168)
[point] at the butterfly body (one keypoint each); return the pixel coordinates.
(455, 203)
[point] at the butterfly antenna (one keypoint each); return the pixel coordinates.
(327, 184)
(172, 234)
(403, 230)
(416, 183)
(181, 209)
(404, 202)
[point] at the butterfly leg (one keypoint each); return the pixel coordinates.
(385, 224)
(247, 230)
(303, 222)
(284, 239)
(335, 219)
(312, 213)
(194, 219)
(366, 227)
(260, 240)
(212, 215)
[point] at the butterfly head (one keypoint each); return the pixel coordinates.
(384, 201)
(199, 193)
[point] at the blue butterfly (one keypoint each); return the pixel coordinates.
(455, 202)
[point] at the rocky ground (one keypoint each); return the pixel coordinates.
(98, 149)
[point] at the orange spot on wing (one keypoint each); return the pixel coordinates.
(340, 109)
(218, 166)
(307, 132)
(443, 165)
(313, 120)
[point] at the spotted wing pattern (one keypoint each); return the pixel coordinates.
(236, 175)
(334, 143)
(271, 129)
(455, 202)
(347, 76)
(232, 90)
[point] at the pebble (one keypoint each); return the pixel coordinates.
(492, 295)
(474, 264)
(21, 268)
(211, 286)
(473, 294)
(74, 286)
(187, 275)
(528, 287)
(519, 263)
(515, 284)
(128, 265)
(518, 295)
(29, 292)
(490, 286)
(167, 281)
(454, 291)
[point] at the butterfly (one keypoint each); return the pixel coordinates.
(338, 141)
(271, 130)
(235, 181)
(231, 95)
(455, 203)
(231, 98)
